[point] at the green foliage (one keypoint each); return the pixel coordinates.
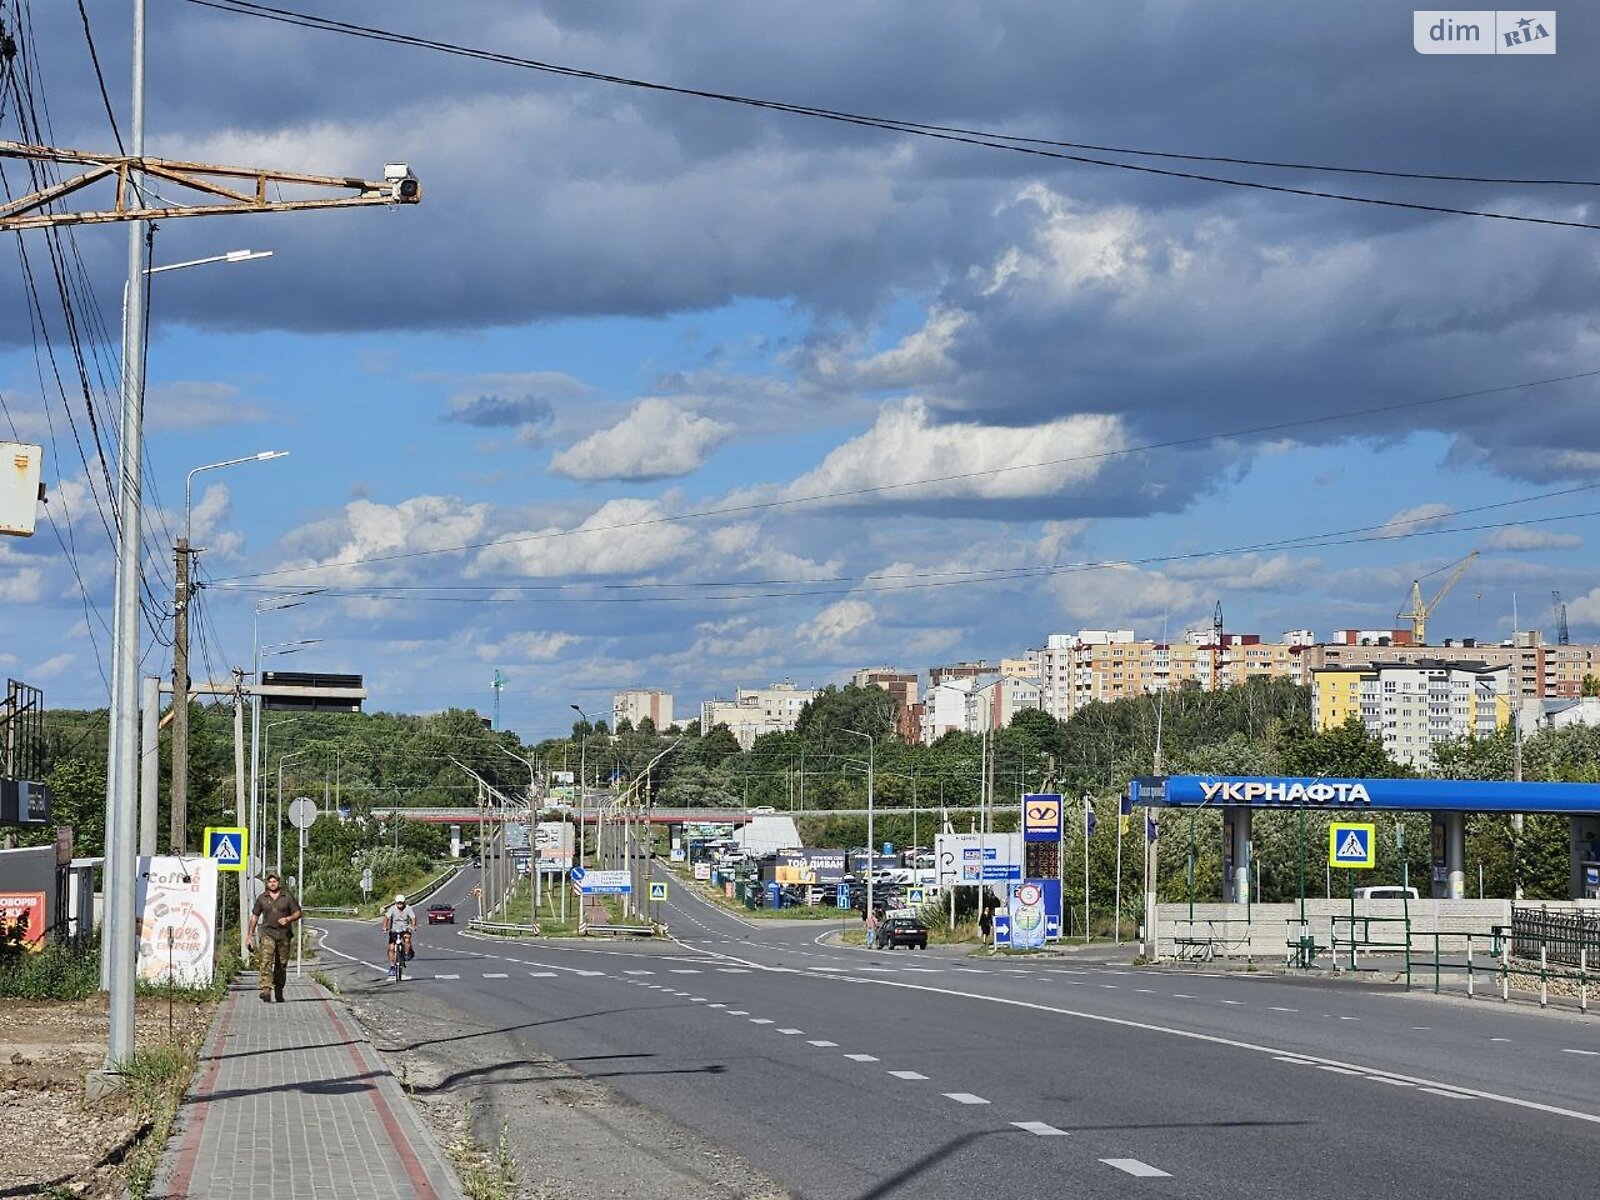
(59, 971)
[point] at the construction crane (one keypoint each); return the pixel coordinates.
(1418, 612)
(228, 189)
(1216, 649)
(1563, 634)
(497, 685)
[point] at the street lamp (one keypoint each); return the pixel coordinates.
(583, 751)
(188, 508)
(872, 748)
(232, 256)
(533, 820)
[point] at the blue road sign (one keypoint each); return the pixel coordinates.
(1041, 818)
(229, 845)
(577, 874)
(1351, 845)
(658, 891)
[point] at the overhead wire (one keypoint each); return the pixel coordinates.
(1042, 148)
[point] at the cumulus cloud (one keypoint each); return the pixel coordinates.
(656, 440)
(1523, 537)
(838, 622)
(627, 537)
(528, 646)
(507, 400)
(1416, 519)
(339, 546)
(966, 459)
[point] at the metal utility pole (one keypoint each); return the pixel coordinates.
(872, 860)
(122, 767)
(583, 764)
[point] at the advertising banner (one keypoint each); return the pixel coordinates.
(1041, 818)
(176, 899)
(809, 866)
(23, 911)
(555, 842)
(606, 883)
(967, 859)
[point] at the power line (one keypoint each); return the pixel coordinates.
(1017, 145)
(878, 489)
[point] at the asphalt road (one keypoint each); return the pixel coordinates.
(844, 1072)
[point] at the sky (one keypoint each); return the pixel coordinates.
(656, 390)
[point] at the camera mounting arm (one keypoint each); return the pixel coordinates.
(227, 189)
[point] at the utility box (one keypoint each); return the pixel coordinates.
(20, 492)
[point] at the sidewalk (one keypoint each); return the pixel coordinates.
(291, 1101)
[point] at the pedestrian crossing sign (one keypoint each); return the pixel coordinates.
(229, 845)
(1352, 845)
(658, 891)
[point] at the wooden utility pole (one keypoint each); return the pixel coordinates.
(179, 833)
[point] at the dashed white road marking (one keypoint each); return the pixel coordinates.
(738, 1012)
(761, 1020)
(447, 977)
(716, 1006)
(1133, 1166)
(685, 970)
(1499, 1039)
(1386, 1079)
(965, 1098)
(1334, 1069)
(1230, 1001)
(1588, 1053)
(1181, 996)
(1280, 1008)
(1040, 1128)
(907, 1075)
(1146, 991)
(733, 971)
(821, 1043)
(638, 972)
(1349, 1018)
(862, 1057)
(1299, 1062)
(542, 974)
(1445, 1092)
(495, 975)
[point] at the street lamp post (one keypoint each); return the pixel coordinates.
(583, 751)
(182, 590)
(872, 748)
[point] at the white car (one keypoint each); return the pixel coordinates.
(1386, 893)
(763, 810)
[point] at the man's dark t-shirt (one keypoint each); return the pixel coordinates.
(267, 912)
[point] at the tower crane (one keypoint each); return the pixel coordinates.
(1418, 612)
(1563, 633)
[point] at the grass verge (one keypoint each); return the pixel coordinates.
(485, 1174)
(157, 1079)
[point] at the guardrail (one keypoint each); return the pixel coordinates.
(635, 930)
(430, 889)
(330, 910)
(1561, 936)
(503, 928)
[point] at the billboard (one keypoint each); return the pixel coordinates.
(25, 912)
(1041, 818)
(809, 866)
(967, 859)
(554, 839)
(176, 899)
(1363, 795)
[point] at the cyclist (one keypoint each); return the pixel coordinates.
(399, 920)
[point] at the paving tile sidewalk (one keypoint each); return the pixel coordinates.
(291, 1101)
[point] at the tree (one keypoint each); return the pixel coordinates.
(646, 726)
(1591, 686)
(869, 710)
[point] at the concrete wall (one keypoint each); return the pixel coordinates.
(1263, 931)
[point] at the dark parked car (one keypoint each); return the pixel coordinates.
(441, 914)
(902, 931)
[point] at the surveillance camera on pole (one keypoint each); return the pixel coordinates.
(404, 184)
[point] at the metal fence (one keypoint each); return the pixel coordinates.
(1560, 935)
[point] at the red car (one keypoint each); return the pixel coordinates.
(441, 914)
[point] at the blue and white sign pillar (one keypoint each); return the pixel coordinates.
(1236, 855)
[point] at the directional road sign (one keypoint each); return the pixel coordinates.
(229, 845)
(658, 891)
(1352, 845)
(303, 812)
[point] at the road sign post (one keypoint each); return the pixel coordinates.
(229, 845)
(302, 813)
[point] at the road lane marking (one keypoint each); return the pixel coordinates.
(907, 1075)
(1133, 1166)
(1299, 1062)
(1589, 1053)
(542, 974)
(685, 970)
(1112, 986)
(697, 999)
(733, 971)
(447, 977)
(761, 1020)
(1217, 1040)
(790, 1032)
(1446, 1092)
(1334, 1069)
(638, 972)
(1146, 991)
(822, 1044)
(1280, 1008)
(1040, 1128)
(1499, 1039)
(1230, 1001)
(738, 1012)
(1181, 996)
(862, 1057)
(495, 975)
(1386, 1079)
(927, 970)
(965, 1098)
(716, 1006)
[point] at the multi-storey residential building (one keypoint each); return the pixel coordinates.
(992, 705)
(1565, 668)
(755, 711)
(902, 685)
(1414, 706)
(1524, 655)
(960, 670)
(945, 709)
(1110, 664)
(636, 704)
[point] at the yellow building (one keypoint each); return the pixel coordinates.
(1335, 697)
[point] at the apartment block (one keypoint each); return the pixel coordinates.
(1414, 706)
(1524, 655)
(992, 705)
(636, 704)
(902, 685)
(755, 711)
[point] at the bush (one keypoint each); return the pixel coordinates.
(60, 971)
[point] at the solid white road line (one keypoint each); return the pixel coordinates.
(907, 1075)
(1445, 1092)
(1334, 1069)
(1134, 1167)
(1386, 1079)
(1040, 1128)
(965, 1098)
(862, 1057)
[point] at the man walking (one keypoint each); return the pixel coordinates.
(275, 911)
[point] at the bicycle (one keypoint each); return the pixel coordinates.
(402, 952)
